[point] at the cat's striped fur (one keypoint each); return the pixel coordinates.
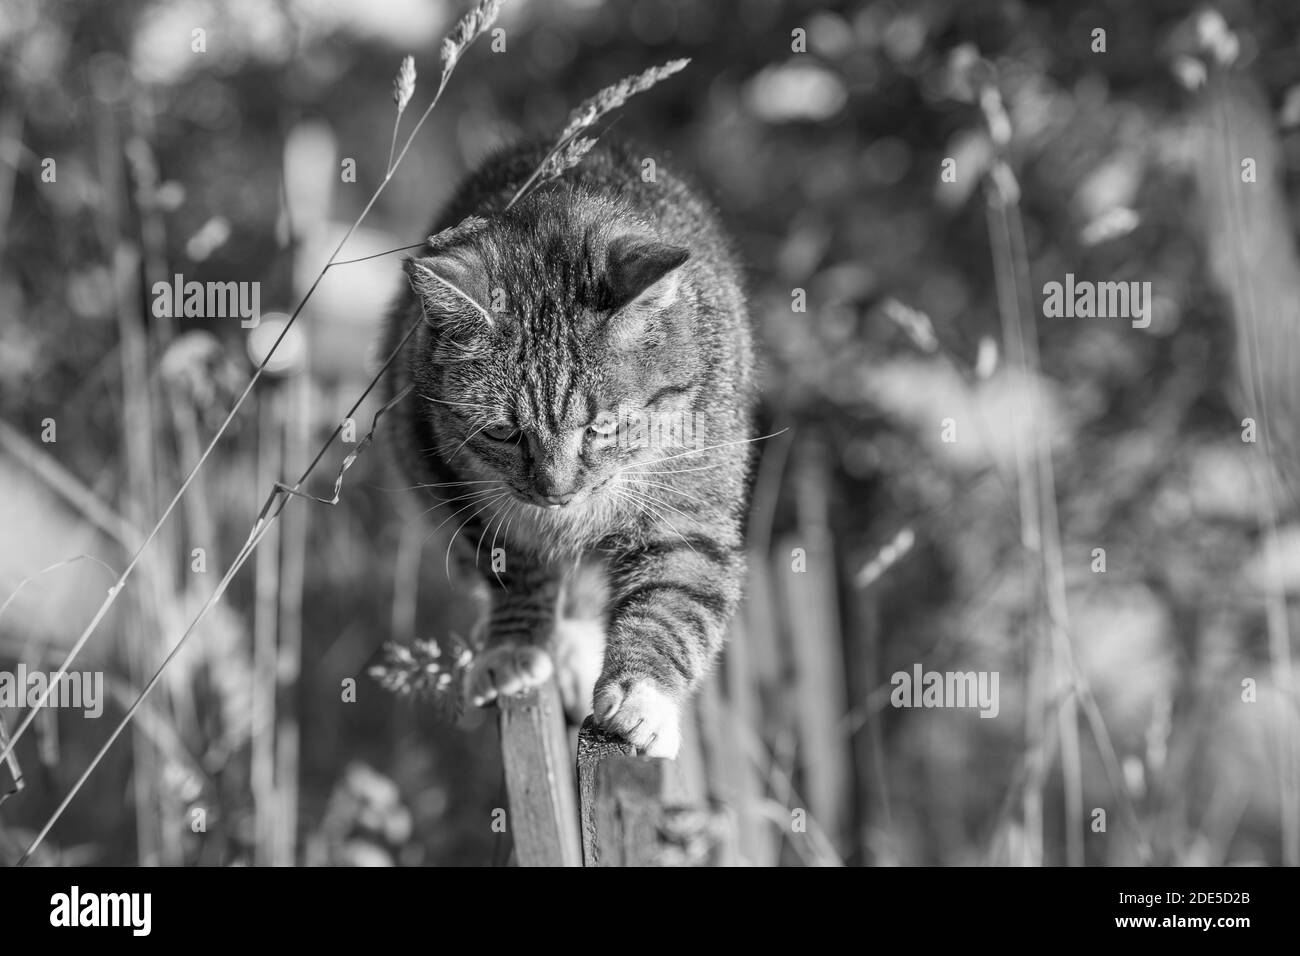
(606, 294)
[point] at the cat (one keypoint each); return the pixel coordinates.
(586, 420)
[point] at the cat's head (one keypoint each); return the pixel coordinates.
(579, 342)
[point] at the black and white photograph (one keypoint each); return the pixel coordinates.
(651, 433)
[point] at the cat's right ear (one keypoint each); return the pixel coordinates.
(643, 271)
(452, 285)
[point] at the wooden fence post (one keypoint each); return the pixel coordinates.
(632, 811)
(594, 748)
(539, 779)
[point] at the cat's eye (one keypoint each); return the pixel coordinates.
(500, 432)
(604, 425)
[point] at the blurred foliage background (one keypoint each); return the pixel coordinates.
(226, 165)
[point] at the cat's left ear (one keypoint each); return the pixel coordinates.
(643, 271)
(452, 284)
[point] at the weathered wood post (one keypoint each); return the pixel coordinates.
(539, 779)
(633, 813)
(594, 748)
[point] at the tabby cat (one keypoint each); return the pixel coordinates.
(585, 423)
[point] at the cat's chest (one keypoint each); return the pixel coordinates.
(562, 534)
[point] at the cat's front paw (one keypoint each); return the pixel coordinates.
(642, 713)
(505, 671)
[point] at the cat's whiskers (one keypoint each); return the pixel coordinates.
(518, 508)
(683, 471)
(450, 543)
(639, 504)
(482, 492)
(651, 496)
(511, 508)
(449, 484)
(700, 451)
(648, 507)
(443, 484)
(466, 441)
(628, 499)
(478, 497)
(676, 491)
(498, 517)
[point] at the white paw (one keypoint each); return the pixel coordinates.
(579, 655)
(505, 671)
(643, 715)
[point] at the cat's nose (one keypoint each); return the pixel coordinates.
(556, 501)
